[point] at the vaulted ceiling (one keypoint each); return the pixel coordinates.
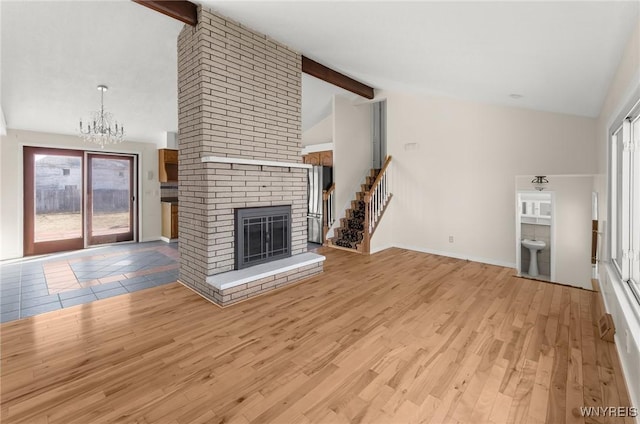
(560, 56)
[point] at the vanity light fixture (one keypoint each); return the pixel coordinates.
(539, 182)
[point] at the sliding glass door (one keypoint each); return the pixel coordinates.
(53, 199)
(110, 198)
(74, 199)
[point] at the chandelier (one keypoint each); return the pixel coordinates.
(101, 128)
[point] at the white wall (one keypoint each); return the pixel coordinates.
(352, 149)
(619, 302)
(572, 226)
(322, 132)
(383, 238)
(459, 179)
(11, 183)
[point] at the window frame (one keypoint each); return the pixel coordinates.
(627, 267)
(634, 265)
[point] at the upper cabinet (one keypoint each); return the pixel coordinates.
(168, 165)
(536, 212)
(324, 158)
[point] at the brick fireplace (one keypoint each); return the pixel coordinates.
(239, 96)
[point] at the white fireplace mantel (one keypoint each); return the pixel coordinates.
(244, 161)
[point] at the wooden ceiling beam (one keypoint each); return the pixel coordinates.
(187, 12)
(182, 10)
(320, 71)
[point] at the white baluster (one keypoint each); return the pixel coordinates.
(375, 208)
(378, 204)
(384, 186)
(375, 215)
(371, 204)
(331, 207)
(333, 211)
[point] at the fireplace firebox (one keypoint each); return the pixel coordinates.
(262, 235)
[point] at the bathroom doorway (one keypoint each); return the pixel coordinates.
(535, 235)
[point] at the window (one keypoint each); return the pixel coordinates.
(625, 199)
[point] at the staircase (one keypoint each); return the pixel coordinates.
(350, 234)
(361, 219)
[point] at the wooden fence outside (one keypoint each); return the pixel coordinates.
(70, 200)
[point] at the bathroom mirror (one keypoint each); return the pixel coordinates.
(556, 224)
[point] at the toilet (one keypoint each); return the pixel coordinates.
(534, 247)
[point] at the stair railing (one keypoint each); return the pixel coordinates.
(376, 201)
(328, 210)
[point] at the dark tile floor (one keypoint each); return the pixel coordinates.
(313, 246)
(33, 286)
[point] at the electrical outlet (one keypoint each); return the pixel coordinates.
(450, 239)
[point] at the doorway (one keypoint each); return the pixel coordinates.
(535, 235)
(75, 199)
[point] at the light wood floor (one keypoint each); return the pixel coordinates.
(397, 337)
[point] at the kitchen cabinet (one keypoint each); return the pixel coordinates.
(167, 165)
(169, 220)
(311, 159)
(174, 221)
(324, 158)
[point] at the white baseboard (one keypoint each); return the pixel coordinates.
(167, 240)
(458, 256)
(381, 248)
(146, 239)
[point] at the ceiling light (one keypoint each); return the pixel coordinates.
(516, 96)
(101, 128)
(539, 182)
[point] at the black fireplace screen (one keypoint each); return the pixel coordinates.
(262, 235)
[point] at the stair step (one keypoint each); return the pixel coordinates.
(352, 224)
(352, 235)
(357, 204)
(347, 249)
